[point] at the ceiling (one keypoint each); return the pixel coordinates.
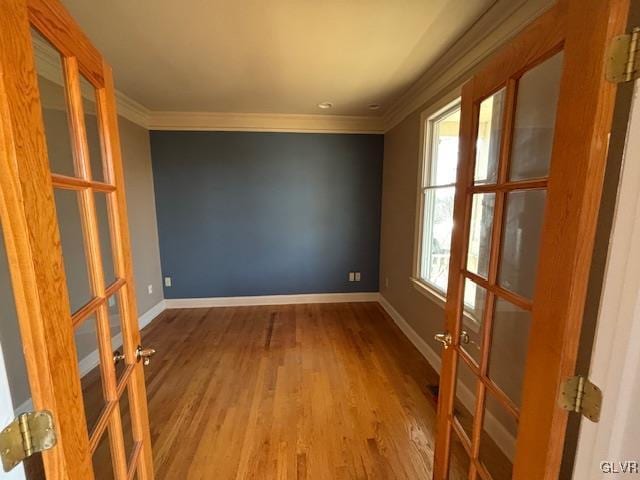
(272, 56)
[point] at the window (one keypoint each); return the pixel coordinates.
(436, 197)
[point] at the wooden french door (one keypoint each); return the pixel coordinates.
(533, 142)
(64, 221)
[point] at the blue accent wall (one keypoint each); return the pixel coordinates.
(243, 213)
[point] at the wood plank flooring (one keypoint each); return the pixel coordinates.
(331, 391)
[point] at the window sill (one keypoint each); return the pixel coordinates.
(428, 292)
(441, 301)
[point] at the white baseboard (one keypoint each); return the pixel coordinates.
(146, 318)
(495, 429)
(271, 300)
(423, 347)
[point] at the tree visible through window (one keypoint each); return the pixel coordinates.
(441, 161)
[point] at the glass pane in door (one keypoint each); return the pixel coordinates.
(459, 461)
(474, 299)
(104, 232)
(88, 354)
(465, 400)
(480, 228)
(490, 122)
(127, 427)
(535, 119)
(92, 127)
(51, 86)
(498, 440)
(521, 241)
(102, 460)
(73, 248)
(115, 324)
(508, 354)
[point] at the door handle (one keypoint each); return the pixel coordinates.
(118, 357)
(444, 338)
(144, 354)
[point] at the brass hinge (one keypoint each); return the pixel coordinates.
(623, 57)
(578, 394)
(29, 433)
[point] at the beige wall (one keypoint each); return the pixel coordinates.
(399, 184)
(136, 153)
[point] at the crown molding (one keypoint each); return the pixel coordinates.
(132, 110)
(264, 122)
(499, 23)
(49, 66)
(503, 20)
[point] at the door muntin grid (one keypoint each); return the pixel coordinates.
(499, 293)
(99, 310)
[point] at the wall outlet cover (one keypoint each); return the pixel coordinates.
(167, 281)
(150, 289)
(352, 276)
(358, 276)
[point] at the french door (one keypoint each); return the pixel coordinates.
(533, 142)
(64, 221)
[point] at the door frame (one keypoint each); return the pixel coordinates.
(615, 364)
(573, 197)
(32, 238)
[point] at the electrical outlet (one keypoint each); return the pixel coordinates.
(352, 277)
(358, 276)
(167, 281)
(150, 289)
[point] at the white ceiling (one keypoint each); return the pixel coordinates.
(272, 56)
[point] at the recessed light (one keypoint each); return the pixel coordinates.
(374, 106)
(325, 105)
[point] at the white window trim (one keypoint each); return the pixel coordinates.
(447, 102)
(430, 291)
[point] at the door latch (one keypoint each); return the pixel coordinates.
(144, 354)
(118, 357)
(444, 338)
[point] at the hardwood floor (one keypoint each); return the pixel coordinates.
(314, 392)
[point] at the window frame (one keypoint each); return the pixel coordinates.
(428, 118)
